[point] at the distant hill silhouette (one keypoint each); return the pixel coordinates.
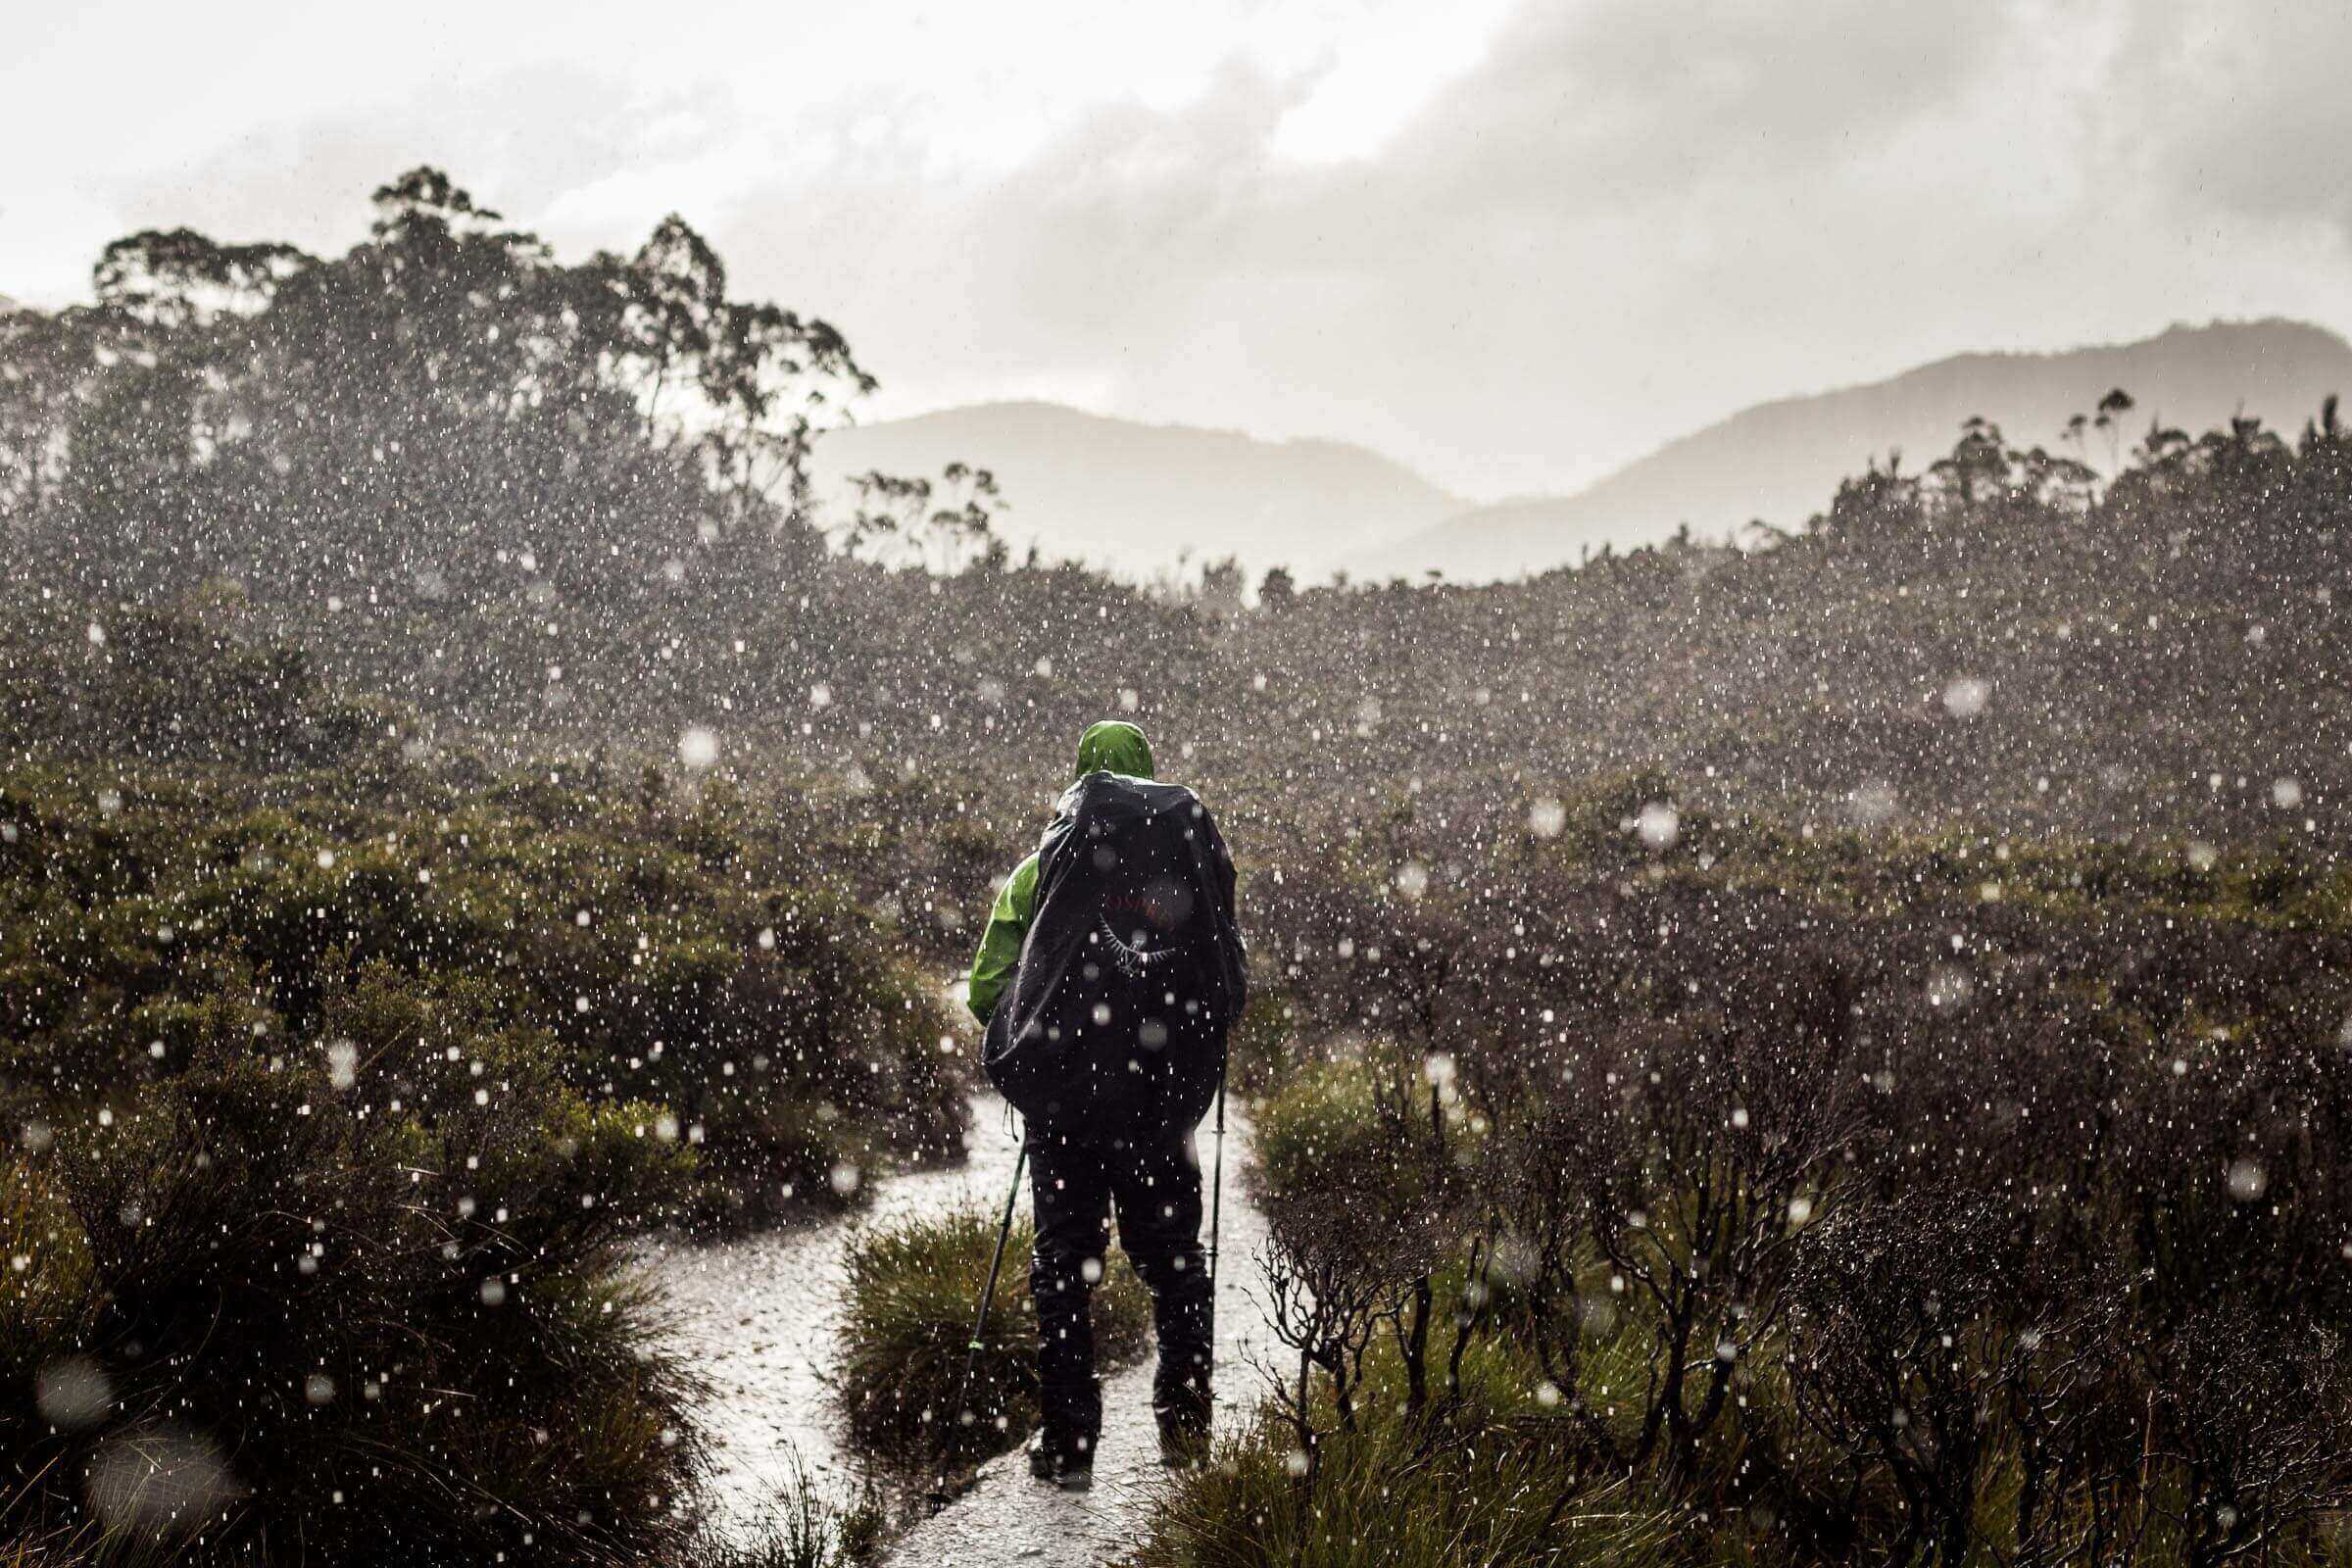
(1781, 461)
(1128, 497)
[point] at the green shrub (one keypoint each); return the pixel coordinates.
(914, 1286)
(372, 1335)
(45, 1304)
(685, 957)
(1265, 1050)
(1323, 1119)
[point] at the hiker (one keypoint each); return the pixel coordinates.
(1111, 970)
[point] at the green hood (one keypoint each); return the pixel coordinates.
(1115, 747)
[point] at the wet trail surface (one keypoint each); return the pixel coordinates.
(761, 1317)
(1008, 1519)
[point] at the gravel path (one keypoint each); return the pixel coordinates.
(1006, 1520)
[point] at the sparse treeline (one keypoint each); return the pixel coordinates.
(564, 501)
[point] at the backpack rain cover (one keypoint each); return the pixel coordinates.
(1132, 972)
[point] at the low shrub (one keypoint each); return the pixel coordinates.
(671, 953)
(262, 1311)
(915, 1288)
(1937, 1200)
(1492, 1478)
(1322, 1119)
(1264, 1052)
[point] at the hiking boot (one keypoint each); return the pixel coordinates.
(1072, 1469)
(1183, 1445)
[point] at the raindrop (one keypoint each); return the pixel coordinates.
(2248, 1180)
(150, 1479)
(73, 1393)
(1950, 986)
(1872, 804)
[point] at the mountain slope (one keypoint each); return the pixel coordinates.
(1782, 460)
(1130, 497)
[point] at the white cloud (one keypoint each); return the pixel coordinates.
(1507, 243)
(1384, 78)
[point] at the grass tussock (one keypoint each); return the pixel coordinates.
(808, 1528)
(1493, 1482)
(915, 1286)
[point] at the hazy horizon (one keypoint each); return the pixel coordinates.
(1794, 394)
(1511, 247)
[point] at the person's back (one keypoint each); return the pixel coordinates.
(1109, 975)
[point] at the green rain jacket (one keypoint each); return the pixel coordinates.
(1111, 747)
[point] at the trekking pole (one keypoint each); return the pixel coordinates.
(938, 1499)
(1217, 1214)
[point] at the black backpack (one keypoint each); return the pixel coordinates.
(1133, 970)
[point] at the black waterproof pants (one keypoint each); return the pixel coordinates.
(1155, 1191)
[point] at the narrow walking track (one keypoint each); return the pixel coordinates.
(1008, 1520)
(761, 1317)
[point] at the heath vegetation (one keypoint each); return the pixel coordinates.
(1824, 1046)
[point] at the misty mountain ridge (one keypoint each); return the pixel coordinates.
(1131, 498)
(1779, 462)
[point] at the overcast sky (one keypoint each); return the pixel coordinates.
(1511, 244)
